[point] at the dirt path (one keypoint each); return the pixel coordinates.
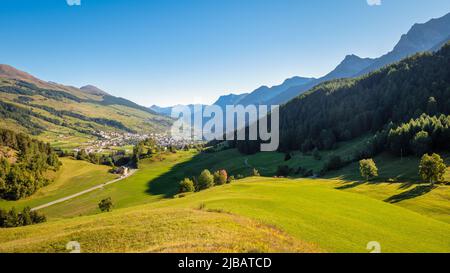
(131, 172)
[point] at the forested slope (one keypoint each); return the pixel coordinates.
(22, 172)
(344, 109)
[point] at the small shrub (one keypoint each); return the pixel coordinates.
(287, 157)
(187, 185)
(205, 180)
(368, 168)
(283, 171)
(230, 179)
(220, 177)
(432, 168)
(255, 172)
(106, 205)
(27, 217)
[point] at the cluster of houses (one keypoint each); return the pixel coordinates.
(116, 139)
(168, 141)
(109, 140)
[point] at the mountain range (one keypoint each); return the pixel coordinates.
(392, 106)
(32, 105)
(429, 36)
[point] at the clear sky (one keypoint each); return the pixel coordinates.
(167, 52)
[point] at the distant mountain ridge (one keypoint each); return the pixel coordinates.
(264, 93)
(230, 99)
(421, 37)
(429, 36)
(350, 66)
(30, 105)
(9, 72)
(167, 111)
(413, 91)
(258, 96)
(94, 90)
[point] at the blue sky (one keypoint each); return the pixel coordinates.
(167, 52)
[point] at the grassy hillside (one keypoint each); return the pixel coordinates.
(339, 214)
(67, 116)
(157, 230)
(421, 198)
(336, 220)
(390, 167)
(159, 177)
(73, 176)
(239, 217)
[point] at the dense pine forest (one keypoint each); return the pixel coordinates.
(23, 164)
(400, 104)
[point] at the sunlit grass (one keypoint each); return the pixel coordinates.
(74, 176)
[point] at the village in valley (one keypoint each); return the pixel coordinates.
(114, 141)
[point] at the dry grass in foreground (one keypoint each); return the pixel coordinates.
(153, 230)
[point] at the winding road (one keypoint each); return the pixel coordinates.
(130, 173)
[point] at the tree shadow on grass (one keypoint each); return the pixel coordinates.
(167, 184)
(406, 185)
(350, 185)
(410, 194)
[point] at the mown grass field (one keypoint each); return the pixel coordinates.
(317, 217)
(74, 176)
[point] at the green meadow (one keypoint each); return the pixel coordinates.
(74, 176)
(338, 213)
(318, 218)
(158, 178)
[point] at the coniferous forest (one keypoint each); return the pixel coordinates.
(24, 173)
(388, 103)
